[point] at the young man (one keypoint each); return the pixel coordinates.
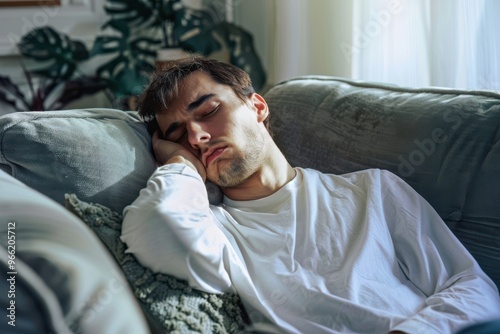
(307, 252)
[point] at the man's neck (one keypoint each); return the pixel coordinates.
(266, 181)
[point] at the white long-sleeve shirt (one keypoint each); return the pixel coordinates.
(360, 252)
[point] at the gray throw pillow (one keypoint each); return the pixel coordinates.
(102, 155)
(178, 307)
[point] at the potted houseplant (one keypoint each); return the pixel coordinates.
(55, 83)
(138, 29)
(126, 51)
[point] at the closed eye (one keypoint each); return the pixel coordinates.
(173, 131)
(211, 112)
(181, 136)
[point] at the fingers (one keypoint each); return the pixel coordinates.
(166, 152)
(155, 137)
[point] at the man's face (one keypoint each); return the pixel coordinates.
(226, 134)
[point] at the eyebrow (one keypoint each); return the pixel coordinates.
(198, 102)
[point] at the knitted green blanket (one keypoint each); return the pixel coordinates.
(169, 301)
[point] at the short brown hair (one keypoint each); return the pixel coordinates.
(164, 85)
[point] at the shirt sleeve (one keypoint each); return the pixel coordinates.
(170, 229)
(458, 291)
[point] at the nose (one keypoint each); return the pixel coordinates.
(198, 137)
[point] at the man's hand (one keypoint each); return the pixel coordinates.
(168, 152)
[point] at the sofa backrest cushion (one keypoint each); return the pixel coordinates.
(445, 143)
(102, 155)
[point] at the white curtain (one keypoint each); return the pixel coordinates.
(446, 43)
(306, 38)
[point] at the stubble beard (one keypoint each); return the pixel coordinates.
(234, 174)
(241, 167)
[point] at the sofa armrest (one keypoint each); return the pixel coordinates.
(61, 264)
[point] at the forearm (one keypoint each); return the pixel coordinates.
(468, 300)
(170, 229)
(458, 292)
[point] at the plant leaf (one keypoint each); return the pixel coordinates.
(154, 16)
(77, 88)
(5, 99)
(144, 48)
(80, 52)
(108, 69)
(122, 25)
(108, 44)
(192, 30)
(46, 44)
(135, 12)
(129, 69)
(129, 82)
(11, 88)
(50, 71)
(241, 50)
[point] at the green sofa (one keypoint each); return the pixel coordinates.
(445, 143)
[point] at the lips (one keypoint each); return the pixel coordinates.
(212, 155)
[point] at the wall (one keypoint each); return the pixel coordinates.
(290, 35)
(257, 17)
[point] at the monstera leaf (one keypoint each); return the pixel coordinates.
(193, 31)
(157, 16)
(242, 51)
(128, 71)
(140, 12)
(135, 12)
(47, 45)
(198, 34)
(130, 82)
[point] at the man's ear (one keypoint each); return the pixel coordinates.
(260, 106)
